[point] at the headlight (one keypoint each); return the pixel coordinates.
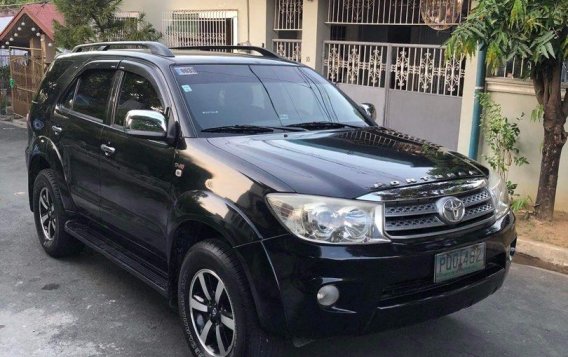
(498, 189)
(329, 220)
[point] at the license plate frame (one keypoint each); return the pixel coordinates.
(462, 261)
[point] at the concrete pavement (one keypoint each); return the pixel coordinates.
(86, 306)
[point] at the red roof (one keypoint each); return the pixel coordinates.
(42, 14)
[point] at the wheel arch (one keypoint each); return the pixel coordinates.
(37, 164)
(46, 156)
(270, 311)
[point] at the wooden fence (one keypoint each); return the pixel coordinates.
(26, 71)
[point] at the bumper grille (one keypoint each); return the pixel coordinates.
(404, 220)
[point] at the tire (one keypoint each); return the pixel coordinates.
(50, 217)
(212, 261)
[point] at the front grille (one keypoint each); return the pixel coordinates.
(403, 219)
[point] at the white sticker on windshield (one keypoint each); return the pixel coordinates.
(186, 88)
(186, 71)
(284, 117)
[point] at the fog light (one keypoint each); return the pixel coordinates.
(328, 295)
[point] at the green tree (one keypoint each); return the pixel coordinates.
(535, 30)
(94, 20)
(15, 2)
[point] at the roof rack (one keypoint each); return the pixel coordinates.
(263, 51)
(155, 48)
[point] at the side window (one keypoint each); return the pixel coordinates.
(93, 93)
(136, 93)
(49, 84)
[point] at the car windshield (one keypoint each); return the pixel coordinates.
(268, 96)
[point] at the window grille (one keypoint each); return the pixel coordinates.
(125, 20)
(183, 28)
(288, 15)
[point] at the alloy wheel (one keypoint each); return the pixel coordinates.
(212, 313)
(47, 215)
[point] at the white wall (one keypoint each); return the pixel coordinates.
(516, 97)
(261, 24)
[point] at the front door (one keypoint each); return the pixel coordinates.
(77, 125)
(136, 179)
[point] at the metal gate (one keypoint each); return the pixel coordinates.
(414, 87)
(26, 70)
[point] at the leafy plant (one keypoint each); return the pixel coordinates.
(15, 2)
(501, 135)
(522, 204)
(536, 31)
(95, 20)
(4, 76)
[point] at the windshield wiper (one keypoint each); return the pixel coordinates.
(322, 125)
(249, 129)
(239, 129)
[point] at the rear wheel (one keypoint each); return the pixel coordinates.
(216, 307)
(50, 217)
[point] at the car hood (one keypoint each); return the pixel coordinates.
(348, 163)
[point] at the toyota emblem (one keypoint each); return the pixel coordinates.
(451, 209)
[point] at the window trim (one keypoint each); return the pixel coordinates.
(75, 83)
(104, 65)
(153, 75)
(118, 88)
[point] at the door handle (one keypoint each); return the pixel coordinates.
(108, 150)
(56, 129)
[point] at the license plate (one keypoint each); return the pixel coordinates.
(455, 263)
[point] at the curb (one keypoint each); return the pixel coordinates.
(543, 251)
(15, 122)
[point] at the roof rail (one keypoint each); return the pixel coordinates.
(156, 48)
(263, 51)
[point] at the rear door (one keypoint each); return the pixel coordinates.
(77, 125)
(136, 178)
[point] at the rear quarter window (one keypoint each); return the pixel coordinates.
(50, 84)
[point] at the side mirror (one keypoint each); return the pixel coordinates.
(146, 124)
(370, 110)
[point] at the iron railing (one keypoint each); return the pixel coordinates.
(437, 13)
(413, 68)
(182, 28)
(519, 68)
(290, 49)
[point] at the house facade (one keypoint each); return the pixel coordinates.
(386, 52)
(27, 42)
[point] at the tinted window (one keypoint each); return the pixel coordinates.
(93, 93)
(136, 93)
(49, 84)
(219, 95)
(67, 101)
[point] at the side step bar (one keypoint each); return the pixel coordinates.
(93, 239)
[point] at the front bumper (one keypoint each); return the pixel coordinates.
(381, 286)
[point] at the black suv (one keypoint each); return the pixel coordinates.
(256, 197)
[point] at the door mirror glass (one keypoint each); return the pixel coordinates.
(147, 124)
(370, 110)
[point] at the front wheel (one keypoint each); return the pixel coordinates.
(216, 307)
